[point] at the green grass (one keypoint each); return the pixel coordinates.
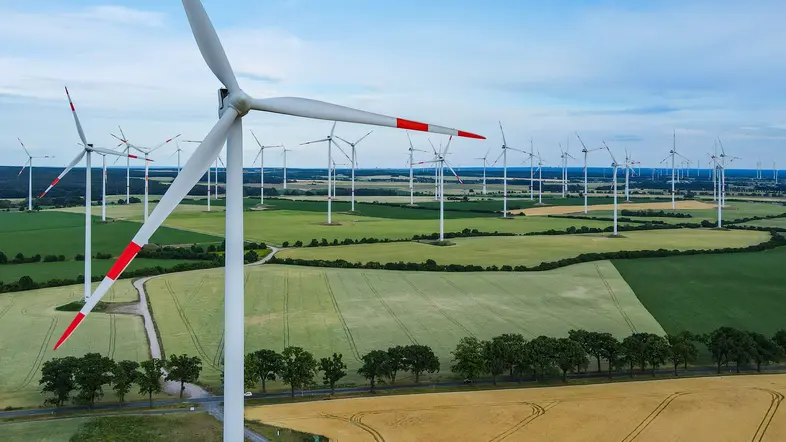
(44, 271)
(530, 250)
(61, 233)
(30, 326)
(736, 210)
(703, 292)
(181, 427)
(515, 204)
(355, 311)
(775, 222)
(276, 226)
(56, 430)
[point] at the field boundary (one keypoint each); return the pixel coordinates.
(616, 301)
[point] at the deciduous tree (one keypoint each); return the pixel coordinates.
(468, 358)
(266, 365)
(333, 368)
(57, 378)
(396, 362)
(568, 354)
(765, 350)
(183, 368)
(149, 378)
(420, 359)
(123, 376)
(541, 350)
(93, 371)
(493, 358)
(374, 366)
(299, 368)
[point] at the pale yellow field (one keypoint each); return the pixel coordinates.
(733, 408)
(562, 210)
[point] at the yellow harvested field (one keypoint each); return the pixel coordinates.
(732, 408)
(563, 210)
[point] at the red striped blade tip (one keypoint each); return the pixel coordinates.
(71, 327)
(461, 133)
(122, 262)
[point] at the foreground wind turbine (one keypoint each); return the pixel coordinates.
(330, 143)
(208, 174)
(411, 175)
(616, 166)
(485, 163)
(261, 157)
(440, 162)
(87, 149)
(585, 151)
(504, 156)
(353, 160)
(234, 103)
(29, 162)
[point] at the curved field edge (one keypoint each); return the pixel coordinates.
(355, 311)
(530, 250)
(702, 292)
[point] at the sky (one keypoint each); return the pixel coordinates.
(627, 73)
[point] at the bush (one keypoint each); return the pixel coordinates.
(80, 257)
(100, 255)
(50, 258)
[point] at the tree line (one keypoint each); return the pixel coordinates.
(655, 213)
(81, 380)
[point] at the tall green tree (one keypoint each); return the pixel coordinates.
(468, 358)
(493, 353)
(765, 350)
(596, 341)
(266, 365)
(93, 371)
(396, 362)
(333, 369)
(420, 359)
(780, 338)
(611, 351)
(183, 368)
(57, 378)
(123, 377)
(568, 355)
(512, 345)
(585, 340)
(375, 366)
(720, 342)
(541, 351)
(742, 348)
(635, 350)
(657, 350)
(299, 368)
(149, 377)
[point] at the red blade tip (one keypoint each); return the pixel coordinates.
(71, 327)
(470, 135)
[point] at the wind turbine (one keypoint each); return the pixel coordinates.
(504, 156)
(29, 162)
(177, 151)
(672, 153)
(284, 151)
(87, 150)
(540, 178)
(774, 173)
(564, 157)
(616, 166)
(330, 142)
(628, 162)
(353, 160)
(261, 157)
(208, 173)
(234, 103)
(485, 163)
(531, 172)
(411, 175)
(440, 162)
(146, 151)
(585, 151)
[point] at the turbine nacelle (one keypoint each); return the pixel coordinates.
(237, 100)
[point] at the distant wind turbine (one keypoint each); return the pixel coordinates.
(29, 162)
(261, 157)
(353, 160)
(504, 156)
(585, 151)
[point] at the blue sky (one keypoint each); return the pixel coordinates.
(625, 72)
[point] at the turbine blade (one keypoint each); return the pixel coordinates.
(194, 169)
(333, 129)
(504, 142)
(454, 172)
(498, 158)
(76, 119)
(23, 146)
(342, 151)
(447, 146)
(209, 44)
(23, 168)
(304, 107)
(364, 136)
(581, 141)
(111, 152)
(255, 138)
(65, 171)
(316, 141)
(432, 147)
(165, 142)
(336, 136)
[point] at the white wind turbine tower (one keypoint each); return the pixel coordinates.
(441, 162)
(564, 157)
(774, 173)
(29, 162)
(87, 150)
(234, 103)
(353, 160)
(504, 156)
(531, 154)
(177, 152)
(411, 174)
(485, 163)
(628, 170)
(616, 166)
(672, 153)
(284, 151)
(330, 143)
(585, 151)
(146, 151)
(208, 174)
(218, 160)
(540, 178)
(261, 157)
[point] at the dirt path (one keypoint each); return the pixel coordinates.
(563, 210)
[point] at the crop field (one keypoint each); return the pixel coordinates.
(130, 212)
(718, 409)
(604, 207)
(277, 226)
(700, 293)
(58, 233)
(59, 430)
(530, 250)
(29, 328)
(44, 271)
(355, 311)
(775, 222)
(736, 210)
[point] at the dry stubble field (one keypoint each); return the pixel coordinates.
(734, 408)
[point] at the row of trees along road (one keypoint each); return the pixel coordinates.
(88, 375)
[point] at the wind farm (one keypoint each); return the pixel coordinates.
(220, 286)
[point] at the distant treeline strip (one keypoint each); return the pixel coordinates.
(776, 240)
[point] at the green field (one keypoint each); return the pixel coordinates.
(775, 222)
(700, 293)
(60, 233)
(530, 250)
(56, 430)
(44, 271)
(131, 212)
(736, 210)
(276, 226)
(355, 311)
(29, 328)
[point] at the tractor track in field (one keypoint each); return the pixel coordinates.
(537, 411)
(775, 401)
(347, 332)
(40, 356)
(112, 336)
(445, 314)
(390, 310)
(7, 308)
(616, 301)
(285, 316)
(189, 328)
(484, 305)
(652, 416)
(356, 420)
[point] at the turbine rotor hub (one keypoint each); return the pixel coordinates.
(240, 101)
